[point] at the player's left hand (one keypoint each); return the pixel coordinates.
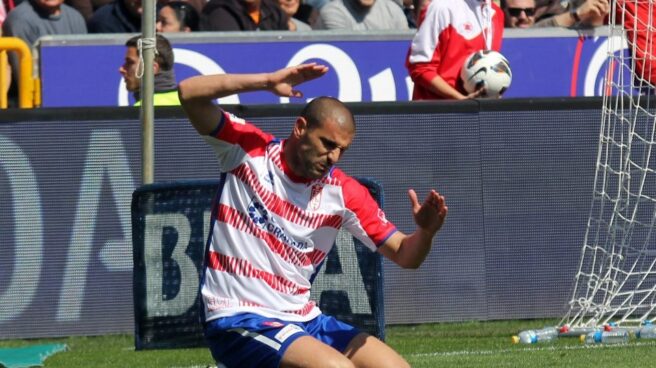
(282, 82)
(429, 215)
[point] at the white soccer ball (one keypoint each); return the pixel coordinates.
(488, 69)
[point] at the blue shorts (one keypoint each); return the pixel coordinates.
(250, 340)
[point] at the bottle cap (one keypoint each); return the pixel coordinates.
(515, 339)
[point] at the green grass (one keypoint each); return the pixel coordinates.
(470, 344)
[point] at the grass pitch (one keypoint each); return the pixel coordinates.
(470, 344)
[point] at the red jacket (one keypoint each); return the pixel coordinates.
(448, 33)
(640, 37)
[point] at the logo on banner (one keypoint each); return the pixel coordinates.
(315, 197)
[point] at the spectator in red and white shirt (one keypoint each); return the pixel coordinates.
(449, 31)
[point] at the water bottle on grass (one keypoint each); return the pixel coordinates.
(606, 337)
(536, 336)
(646, 332)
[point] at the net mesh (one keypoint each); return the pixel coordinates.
(616, 280)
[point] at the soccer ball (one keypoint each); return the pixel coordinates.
(488, 69)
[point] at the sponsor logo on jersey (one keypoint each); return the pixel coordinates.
(261, 218)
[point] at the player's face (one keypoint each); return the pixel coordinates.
(167, 21)
(129, 68)
(321, 148)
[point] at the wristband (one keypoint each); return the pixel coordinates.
(574, 15)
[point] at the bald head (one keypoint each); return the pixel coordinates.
(322, 109)
(321, 135)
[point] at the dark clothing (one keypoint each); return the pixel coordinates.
(232, 15)
(114, 18)
(87, 7)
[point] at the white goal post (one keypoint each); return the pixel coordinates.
(616, 279)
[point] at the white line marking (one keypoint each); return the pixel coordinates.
(531, 349)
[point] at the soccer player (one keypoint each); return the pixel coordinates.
(276, 217)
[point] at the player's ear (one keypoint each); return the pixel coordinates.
(300, 127)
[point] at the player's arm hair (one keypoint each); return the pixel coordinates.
(197, 95)
(410, 251)
(407, 251)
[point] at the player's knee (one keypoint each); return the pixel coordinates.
(328, 362)
(342, 362)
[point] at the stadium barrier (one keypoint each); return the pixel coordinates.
(29, 91)
(364, 66)
(170, 224)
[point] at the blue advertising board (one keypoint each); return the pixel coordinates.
(83, 70)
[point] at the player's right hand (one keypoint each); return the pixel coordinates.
(282, 82)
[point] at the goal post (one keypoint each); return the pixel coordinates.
(616, 278)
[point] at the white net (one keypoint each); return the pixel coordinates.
(616, 280)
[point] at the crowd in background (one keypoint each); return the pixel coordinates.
(31, 19)
(124, 16)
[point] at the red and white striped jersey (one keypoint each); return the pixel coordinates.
(272, 230)
(450, 31)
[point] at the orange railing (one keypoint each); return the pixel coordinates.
(29, 91)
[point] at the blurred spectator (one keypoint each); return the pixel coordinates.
(518, 13)
(292, 8)
(6, 73)
(409, 11)
(316, 4)
(120, 16)
(3, 13)
(177, 16)
(243, 15)
(197, 4)
(33, 19)
(573, 13)
(306, 13)
(362, 15)
(450, 31)
(87, 7)
(166, 93)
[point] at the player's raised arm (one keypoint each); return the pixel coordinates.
(410, 251)
(198, 93)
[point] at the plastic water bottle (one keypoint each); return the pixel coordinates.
(646, 332)
(606, 337)
(536, 336)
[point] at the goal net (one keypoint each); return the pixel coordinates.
(616, 280)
